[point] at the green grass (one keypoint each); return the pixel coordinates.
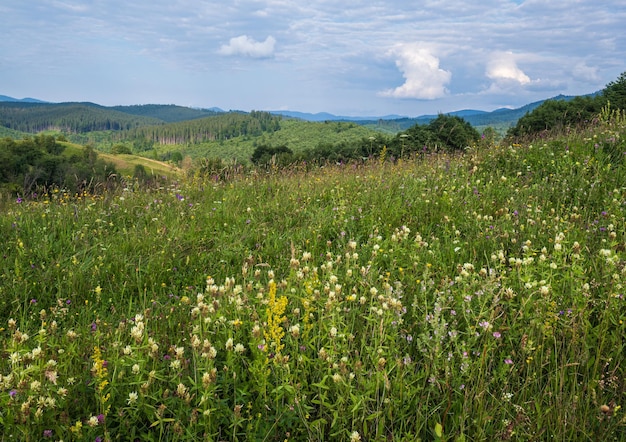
(468, 297)
(125, 164)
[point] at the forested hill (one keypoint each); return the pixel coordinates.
(68, 117)
(219, 127)
(143, 125)
(169, 113)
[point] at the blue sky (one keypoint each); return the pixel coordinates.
(349, 58)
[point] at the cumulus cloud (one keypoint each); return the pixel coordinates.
(424, 79)
(503, 68)
(248, 47)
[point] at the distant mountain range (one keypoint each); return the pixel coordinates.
(20, 100)
(502, 116)
(499, 117)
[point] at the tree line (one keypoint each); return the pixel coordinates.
(561, 114)
(215, 128)
(444, 133)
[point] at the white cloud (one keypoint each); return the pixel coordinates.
(246, 46)
(585, 73)
(503, 68)
(424, 79)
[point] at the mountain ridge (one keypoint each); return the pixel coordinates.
(476, 117)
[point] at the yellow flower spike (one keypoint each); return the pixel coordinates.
(275, 311)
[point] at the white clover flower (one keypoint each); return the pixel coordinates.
(239, 348)
(93, 421)
(136, 369)
(15, 358)
(295, 330)
(132, 398)
(180, 351)
(212, 353)
(229, 344)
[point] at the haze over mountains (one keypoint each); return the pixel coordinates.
(502, 116)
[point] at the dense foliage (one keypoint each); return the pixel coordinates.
(560, 114)
(38, 163)
(444, 133)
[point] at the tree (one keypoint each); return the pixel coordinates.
(121, 149)
(264, 155)
(615, 92)
(452, 132)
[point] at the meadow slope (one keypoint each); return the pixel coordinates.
(468, 297)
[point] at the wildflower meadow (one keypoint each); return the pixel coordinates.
(447, 297)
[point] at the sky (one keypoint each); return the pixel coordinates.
(349, 58)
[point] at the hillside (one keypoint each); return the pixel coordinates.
(67, 117)
(167, 113)
(469, 297)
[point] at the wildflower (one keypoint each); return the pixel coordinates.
(355, 436)
(132, 398)
(207, 378)
(275, 316)
(179, 352)
(229, 344)
(485, 325)
(47, 433)
(295, 330)
(136, 369)
(13, 393)
(93, 421)
(51, 375)
(239, 348)
(497, 335)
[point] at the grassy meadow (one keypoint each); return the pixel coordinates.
(467, 297)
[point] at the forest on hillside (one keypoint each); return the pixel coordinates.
(257, 138)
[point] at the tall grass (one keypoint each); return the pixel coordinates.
(468, 297)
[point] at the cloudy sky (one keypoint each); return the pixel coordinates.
(350, 57)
